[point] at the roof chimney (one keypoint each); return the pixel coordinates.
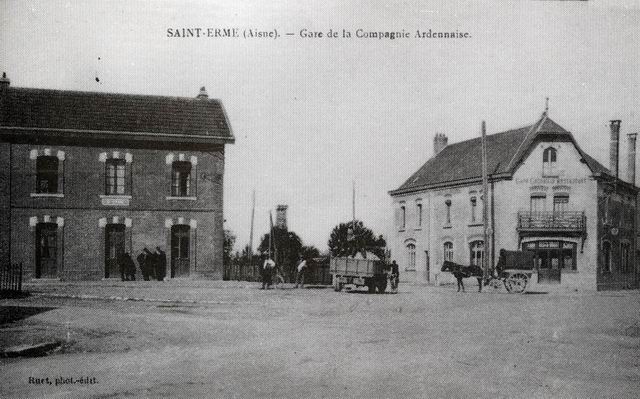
(439, 142)
(614, 147)
(4, 81)
(631, 166)
(203, 94)
(281, 217)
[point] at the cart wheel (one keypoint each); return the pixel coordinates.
(516, 283)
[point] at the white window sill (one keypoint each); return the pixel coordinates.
(446, 226)
(172, 198)
(47, 195)
(115, 196)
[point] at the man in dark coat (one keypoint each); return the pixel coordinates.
(161, 263)
(129, 268)
(122, 265)
(142, 262)
(150, 262)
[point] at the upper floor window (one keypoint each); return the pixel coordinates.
(549, 158)
(403, 217)
(115, 177)
(538, 203)
(47, 174)
(474, 208)
(181, 179)
(448, 251)
(419, 214)
(447, 202)
(561, 203)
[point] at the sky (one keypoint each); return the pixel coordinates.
(311, 116)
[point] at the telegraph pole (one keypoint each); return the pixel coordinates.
(485, 201)
(253, 212)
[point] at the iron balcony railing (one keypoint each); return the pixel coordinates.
(568, 221)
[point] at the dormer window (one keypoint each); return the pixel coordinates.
(549, 165)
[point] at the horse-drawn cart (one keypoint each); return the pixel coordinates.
(514, 270)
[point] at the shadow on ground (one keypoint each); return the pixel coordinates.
(10, 314)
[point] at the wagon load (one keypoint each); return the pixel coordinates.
(361, 270)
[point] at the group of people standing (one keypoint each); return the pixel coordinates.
(153, 265)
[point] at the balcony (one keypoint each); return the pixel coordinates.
(569, 222)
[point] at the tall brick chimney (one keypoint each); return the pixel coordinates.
(281, 217)
(439, 142)
(631, 158)
(614, 147)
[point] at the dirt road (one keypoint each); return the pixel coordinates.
(238, 341)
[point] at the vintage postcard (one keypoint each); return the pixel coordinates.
(272, 199)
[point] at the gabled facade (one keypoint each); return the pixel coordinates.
(86, 177)
(545, 195)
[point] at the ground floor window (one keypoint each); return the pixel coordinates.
(624, 257)
(476, 249)
(448, 251)
(553, 255)
(411, 257)
(606, 256)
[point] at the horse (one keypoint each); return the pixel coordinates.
(461, 271)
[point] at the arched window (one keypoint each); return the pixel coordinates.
(447, 202)
(476, 249)
(181, 179)
(549, 158)
(47, 174)
(411, 257)
(606, 256)
(448, 251)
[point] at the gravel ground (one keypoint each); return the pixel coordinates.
(230, 339)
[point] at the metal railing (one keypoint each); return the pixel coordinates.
(552, 221)
(11, 278)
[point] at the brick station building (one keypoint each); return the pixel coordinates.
(87, 176)
(546, 195)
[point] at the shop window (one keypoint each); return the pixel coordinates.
(181, 179)
(606, 256)
(624, 257)
(549, 158)
(411, 257)
(47, 174)
(448, 251)
(476, 249)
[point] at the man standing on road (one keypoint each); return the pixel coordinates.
(395, 274)
(161, 266)
(302, 268)
(143, 267)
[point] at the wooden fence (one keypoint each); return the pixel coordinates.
(317, 272)
(11, 278)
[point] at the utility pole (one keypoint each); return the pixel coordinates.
(253, 212)
(485, 202)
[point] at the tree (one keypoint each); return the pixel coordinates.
(347, 239)
(286, 248)
(309, 252)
